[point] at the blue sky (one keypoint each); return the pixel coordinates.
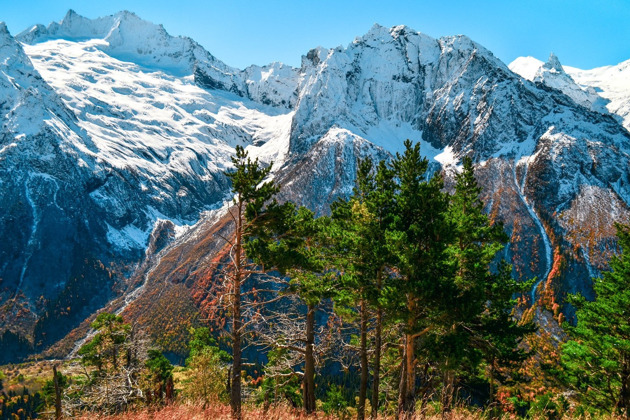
(582, 33)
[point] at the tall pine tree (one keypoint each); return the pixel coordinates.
(362, 222)
(253, 208)
(419, 238)
(479, 324)
(597, 358)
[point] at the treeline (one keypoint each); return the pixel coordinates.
(404, 284)
(397, 303)
(420, 297)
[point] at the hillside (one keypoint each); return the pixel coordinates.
(116, 136)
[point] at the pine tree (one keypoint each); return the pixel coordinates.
(479, 323)
(311, 284)
(250, 212)
(361, 224)
(301, 255)
(107, 343)
(419, 238)
(293, 242)
(597, 358)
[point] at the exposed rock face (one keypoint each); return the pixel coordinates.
(116, 135)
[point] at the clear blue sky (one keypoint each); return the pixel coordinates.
(583, 33)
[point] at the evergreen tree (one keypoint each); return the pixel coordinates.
(597, 358)
(208, 366)
(118, 352)
(479, 323)
(419, 238)
(301, 253)
(106, 345)
(253, 208)
(160, 375)
(361, 223)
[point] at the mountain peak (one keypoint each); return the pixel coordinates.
(553, 75)
(5, 36)
(379, 32)
(77, 27)
(128, 14)
(553, 63)
(70, 15)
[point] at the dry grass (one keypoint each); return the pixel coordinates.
(222, 412)
(216, 412)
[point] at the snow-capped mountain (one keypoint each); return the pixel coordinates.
(95, 150)
(114, 129)
(554, 171)
(601, 89)
(612, 83)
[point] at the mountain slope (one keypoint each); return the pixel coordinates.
(128, 38)
(542, 158)
(610, 83)
(145, 124)
(92, 158)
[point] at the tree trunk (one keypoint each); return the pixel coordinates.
(364, 362)
(235, 394)
(407, 397)
(170, 390)
(402, 386)
(624, 402)
(407, 390)
(491, 397)
(410, 374)
(114, 353)
(57, 394)
(448, 389)
(376, 377)
(131, 348)
(308, 389)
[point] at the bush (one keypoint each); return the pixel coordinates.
(549, 406)
(208, 370)
(335, 403)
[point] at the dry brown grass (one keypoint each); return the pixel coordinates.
(222, 412)
(216, 412)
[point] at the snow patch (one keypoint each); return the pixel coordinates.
(129, 237)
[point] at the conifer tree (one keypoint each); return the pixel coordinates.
(597, 358)
(107, 343)
(475, 244)
(311, 284)
(252, 208)
(361, 225)
(382, 205)
(419, 239)
(479, 324)
(300, 253)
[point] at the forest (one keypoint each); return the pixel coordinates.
(395, 304)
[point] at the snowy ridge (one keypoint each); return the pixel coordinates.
(553, 75)
(127, 37)
(111, 127)
(603, 89)
(612, 83)
(151, 121)
(526, 67)
(163, 126)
